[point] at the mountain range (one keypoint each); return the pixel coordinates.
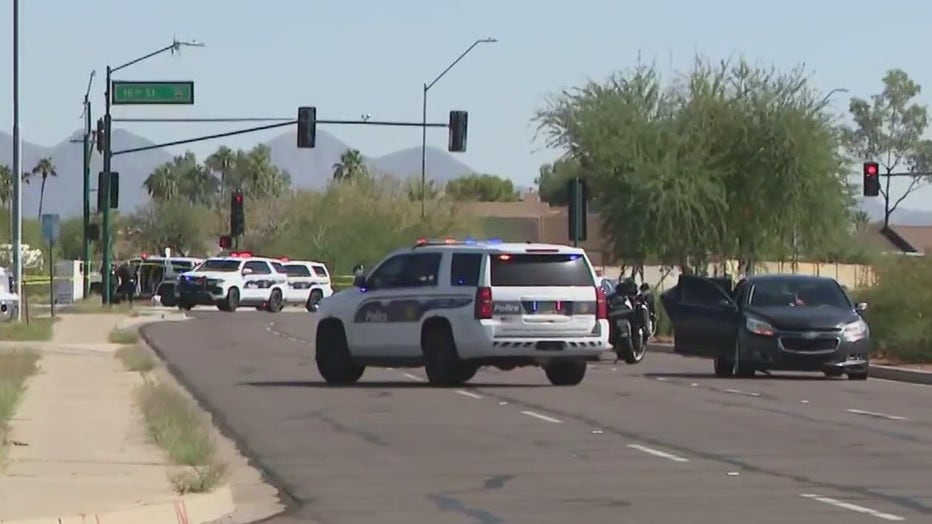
(309, 168)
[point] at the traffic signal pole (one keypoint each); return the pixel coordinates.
(86, 242)
(105, 212)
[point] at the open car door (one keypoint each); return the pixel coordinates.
(704, 315)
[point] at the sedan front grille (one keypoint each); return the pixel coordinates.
(808, 344)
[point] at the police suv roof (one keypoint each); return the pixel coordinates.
(494, 245)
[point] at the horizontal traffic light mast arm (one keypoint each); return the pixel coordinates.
(205, 137)
(281, 123)
(913, 174)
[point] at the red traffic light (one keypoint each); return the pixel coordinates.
(871, 168)
(238, 198)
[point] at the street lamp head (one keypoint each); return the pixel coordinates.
(489, 40)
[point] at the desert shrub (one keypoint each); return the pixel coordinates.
(900, 308)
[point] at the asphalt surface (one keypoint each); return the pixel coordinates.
(661, 442)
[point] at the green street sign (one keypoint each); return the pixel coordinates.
(152, 93)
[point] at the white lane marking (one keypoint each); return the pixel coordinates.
(662, 379)
(414, 377)
(740, 392)
(542, 417)
(469, 394)
(852, 507)
(875, 414)
(658, 453)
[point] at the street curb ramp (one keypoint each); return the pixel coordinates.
(896, 374)
(188, 509)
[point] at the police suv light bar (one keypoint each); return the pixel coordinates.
(452, 241)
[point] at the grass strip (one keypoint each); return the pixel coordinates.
(124, 336)
(39, 328)
(15, 367)
(174, 423)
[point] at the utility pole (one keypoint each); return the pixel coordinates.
(426, 88)
(105, 235)
(88, 145)
(17, 173)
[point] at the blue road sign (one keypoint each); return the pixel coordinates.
(51, 227)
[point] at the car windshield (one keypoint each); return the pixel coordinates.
(219, 264)
(798, 293)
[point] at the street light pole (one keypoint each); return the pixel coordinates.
(426, 88)
(17, 173)
(176, 45)
(86, 242)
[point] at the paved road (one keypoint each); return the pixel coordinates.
(662, 442)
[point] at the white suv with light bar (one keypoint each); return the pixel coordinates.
(454, 306)
(239, 279)
(308, 282)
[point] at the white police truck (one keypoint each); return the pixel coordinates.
(453, 306)
(238, 279)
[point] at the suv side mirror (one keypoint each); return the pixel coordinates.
(247, 271)
(359, 281)
(860, 307)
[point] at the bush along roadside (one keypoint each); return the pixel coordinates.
(899, 311)
(15, 368)
(175, 423)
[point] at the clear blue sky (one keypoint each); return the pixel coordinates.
(353, 57)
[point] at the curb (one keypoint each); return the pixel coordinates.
(896, 374)
(189, 509)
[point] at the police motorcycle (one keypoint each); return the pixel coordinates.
(630, 322)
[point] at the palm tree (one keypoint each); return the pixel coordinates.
(6, 185)
(351, 166)
(222, 162)
(44, 168)
(163, 183)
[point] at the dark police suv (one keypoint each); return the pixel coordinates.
(769, 322)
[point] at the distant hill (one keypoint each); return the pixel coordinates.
(440, 166)
(309, 168)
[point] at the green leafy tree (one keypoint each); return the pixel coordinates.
(415, 191)
(178, 224)
(553, 179)
(734, 161)
(352, 166)
(482, 188)
(44, 169)
(889, 129)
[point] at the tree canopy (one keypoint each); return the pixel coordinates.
(482, 188)
(730, 160)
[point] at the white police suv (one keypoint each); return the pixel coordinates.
(239, 279)
(308, 282)
(453, 306)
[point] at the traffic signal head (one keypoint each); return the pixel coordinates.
(237, 216)
(871, 179)
(108, 185)
(307, 127)
(458, 125)
(226, 242)
(99, 135)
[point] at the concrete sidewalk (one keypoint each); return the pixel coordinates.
(81, 446)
